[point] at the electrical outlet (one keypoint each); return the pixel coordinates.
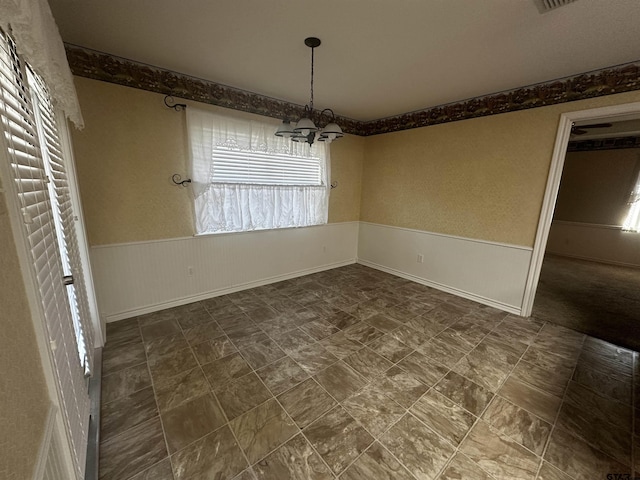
(190, 271)
(420, 258)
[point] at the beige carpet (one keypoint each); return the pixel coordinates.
(594, 298)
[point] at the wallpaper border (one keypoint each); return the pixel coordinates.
(614, 143)
(89, 63)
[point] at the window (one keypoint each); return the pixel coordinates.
(632, 221)
(245, 178)
(32, 149)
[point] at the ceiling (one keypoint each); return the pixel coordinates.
(617, 129)
(378, 58)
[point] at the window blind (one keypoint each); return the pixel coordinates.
(21, 139)
(63, 216)
(237, 166)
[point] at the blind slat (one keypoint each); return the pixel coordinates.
(233, 166)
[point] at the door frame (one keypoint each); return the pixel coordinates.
(611, 113)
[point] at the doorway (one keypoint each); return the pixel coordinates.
(615, 284)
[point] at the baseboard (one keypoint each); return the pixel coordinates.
(223, 291)
(486, 272)
(444, 288)
(597, 260)
(91, 471)
(607, 244)
(599, 226)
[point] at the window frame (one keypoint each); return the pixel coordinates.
(242, 206)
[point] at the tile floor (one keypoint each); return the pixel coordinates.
(356, 374)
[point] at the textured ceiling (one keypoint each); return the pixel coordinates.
(378, 58)
(617, 129)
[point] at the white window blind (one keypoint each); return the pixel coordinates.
(21, 138)
(238, 166)
(245, 178)
(63, 216)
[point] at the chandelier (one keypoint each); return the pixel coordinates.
(304, 129)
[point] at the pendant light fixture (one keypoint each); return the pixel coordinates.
(305, 130)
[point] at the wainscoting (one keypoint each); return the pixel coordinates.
(136, 278)
(601, 243)
(142, 277)
(490, 273)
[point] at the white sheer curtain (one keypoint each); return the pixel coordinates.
(225, 206)
(31, 24)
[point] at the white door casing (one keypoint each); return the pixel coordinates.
(611, 114)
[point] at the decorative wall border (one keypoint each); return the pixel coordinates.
(109, 68)
(615, 143)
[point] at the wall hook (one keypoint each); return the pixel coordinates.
(176, 106)
(334, 184)
(177, 179)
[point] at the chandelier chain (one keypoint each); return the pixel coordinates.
(311, 102)
(305, 130)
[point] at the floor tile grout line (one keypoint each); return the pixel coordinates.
(486, 335)
(155, 398)
(287, 355)
(274, 397)
(198, 364)
(392, 424)
(339, 404)
(495, 394)
(129, 393)
(557, 416)
(521, 359)
(300, 432)
(588, 442)
(375, 440)
(211, 392)
(227, 421)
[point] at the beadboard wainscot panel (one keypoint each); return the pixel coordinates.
(600, 243)
(136, 278)
(487, 272)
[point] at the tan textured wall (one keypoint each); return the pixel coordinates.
(595, 186)
(130, 147)
(125, 156)
(482, 178)
(24, 401)
(347, 159)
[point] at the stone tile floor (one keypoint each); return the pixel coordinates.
(356, 374)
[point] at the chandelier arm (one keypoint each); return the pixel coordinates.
(333, 115)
